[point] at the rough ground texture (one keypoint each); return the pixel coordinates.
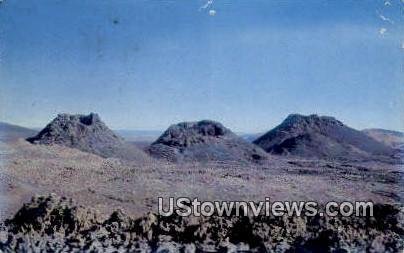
(324, 137)
(87, 133)
(52, 224)
(204, 141)
(106, 184)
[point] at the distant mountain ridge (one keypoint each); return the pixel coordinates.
(204, 141)
(139, 135)
(10, 132)
(250, 137)
(391, 138)
(322, 137)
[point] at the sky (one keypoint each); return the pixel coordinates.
(147, 64)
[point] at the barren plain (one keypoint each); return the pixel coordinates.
(107, 183)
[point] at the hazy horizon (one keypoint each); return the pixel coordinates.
(151, 131)
(144, 65)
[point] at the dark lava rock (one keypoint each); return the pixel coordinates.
(54, 224)
(204, 141)
(87, 133)
(323, 137)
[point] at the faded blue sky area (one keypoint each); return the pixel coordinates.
(146, 64)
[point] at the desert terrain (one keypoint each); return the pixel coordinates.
(109, 183)
(103, 184)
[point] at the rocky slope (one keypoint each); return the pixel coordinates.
(87, 133)
(53, 224)
(323, 137)
(204, 141)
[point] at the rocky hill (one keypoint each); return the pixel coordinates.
(87, 133)
(204, 141)
(323, 137)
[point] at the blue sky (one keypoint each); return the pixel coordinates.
(146, 64)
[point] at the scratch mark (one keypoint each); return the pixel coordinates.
(384, 18)
(382, 31)
(206, 5)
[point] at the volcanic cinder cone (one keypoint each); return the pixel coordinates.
(204, 141)
(87, 133)
(323, 137)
